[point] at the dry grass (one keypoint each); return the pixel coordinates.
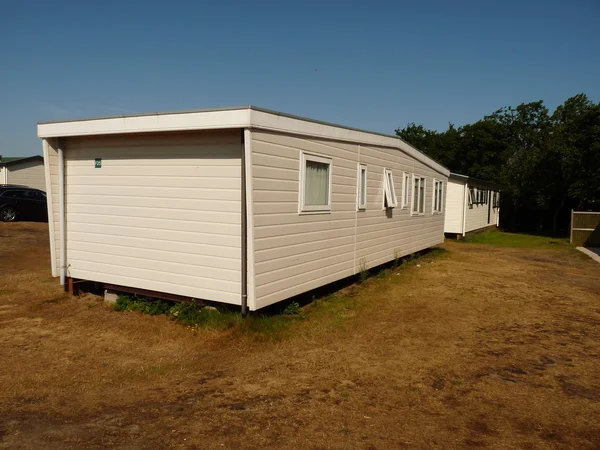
(483, 346)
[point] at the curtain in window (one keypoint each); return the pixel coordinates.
(422, 195)
(316, 185)
(416, 195)
(363, 186)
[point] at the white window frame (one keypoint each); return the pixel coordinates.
(359, 205)
(314, 209)
(437, 205)
(470, 197)
(424, 181)
(389, 190)
(405, 191)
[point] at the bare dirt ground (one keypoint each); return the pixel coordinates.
(479, 347)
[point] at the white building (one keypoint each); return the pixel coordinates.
(233, 205)
(26, 171)
(471, 205)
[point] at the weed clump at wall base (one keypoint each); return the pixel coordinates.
(189, 314)
(195, 315)
(292, 309)
(143, 304)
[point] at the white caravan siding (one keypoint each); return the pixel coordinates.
(27, 173)
(51, 166)
(477, 215)
(383, 236)
(455, 200)
(162, 213)
(295, 252)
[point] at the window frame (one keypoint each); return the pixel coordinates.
(471, 196)
(422, 180)
(480, 196)
(437, 204)
(314, 209)
(405, 193)
(360, 206)
(389, 190)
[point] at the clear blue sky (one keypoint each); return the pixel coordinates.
(379, 65)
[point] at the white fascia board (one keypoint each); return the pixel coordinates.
(280, 123)
(244, 117)
(203, 120)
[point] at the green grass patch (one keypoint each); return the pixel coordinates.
(517, 240)
(269, 328)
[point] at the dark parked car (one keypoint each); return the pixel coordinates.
(22, 203)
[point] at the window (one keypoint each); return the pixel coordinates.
(315, 189)
(478, 196)
(389, 190)
(496, 199)
(361, 197)
(405, 197)
(418, 206)
(438, 190)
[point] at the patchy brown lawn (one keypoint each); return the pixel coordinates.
(480, 347)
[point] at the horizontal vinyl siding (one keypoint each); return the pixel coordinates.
(29, 173)
(477, 216)
(455, 195)
(296, 252)
(162, 213)
(381, 236)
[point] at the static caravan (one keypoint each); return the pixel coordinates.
(26, 171)
(471, 205)
(244, 206)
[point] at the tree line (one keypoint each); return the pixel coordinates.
(546, 164)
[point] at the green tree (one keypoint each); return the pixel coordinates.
(526, 130)
(544, 162)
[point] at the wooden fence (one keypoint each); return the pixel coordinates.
(585, 228)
